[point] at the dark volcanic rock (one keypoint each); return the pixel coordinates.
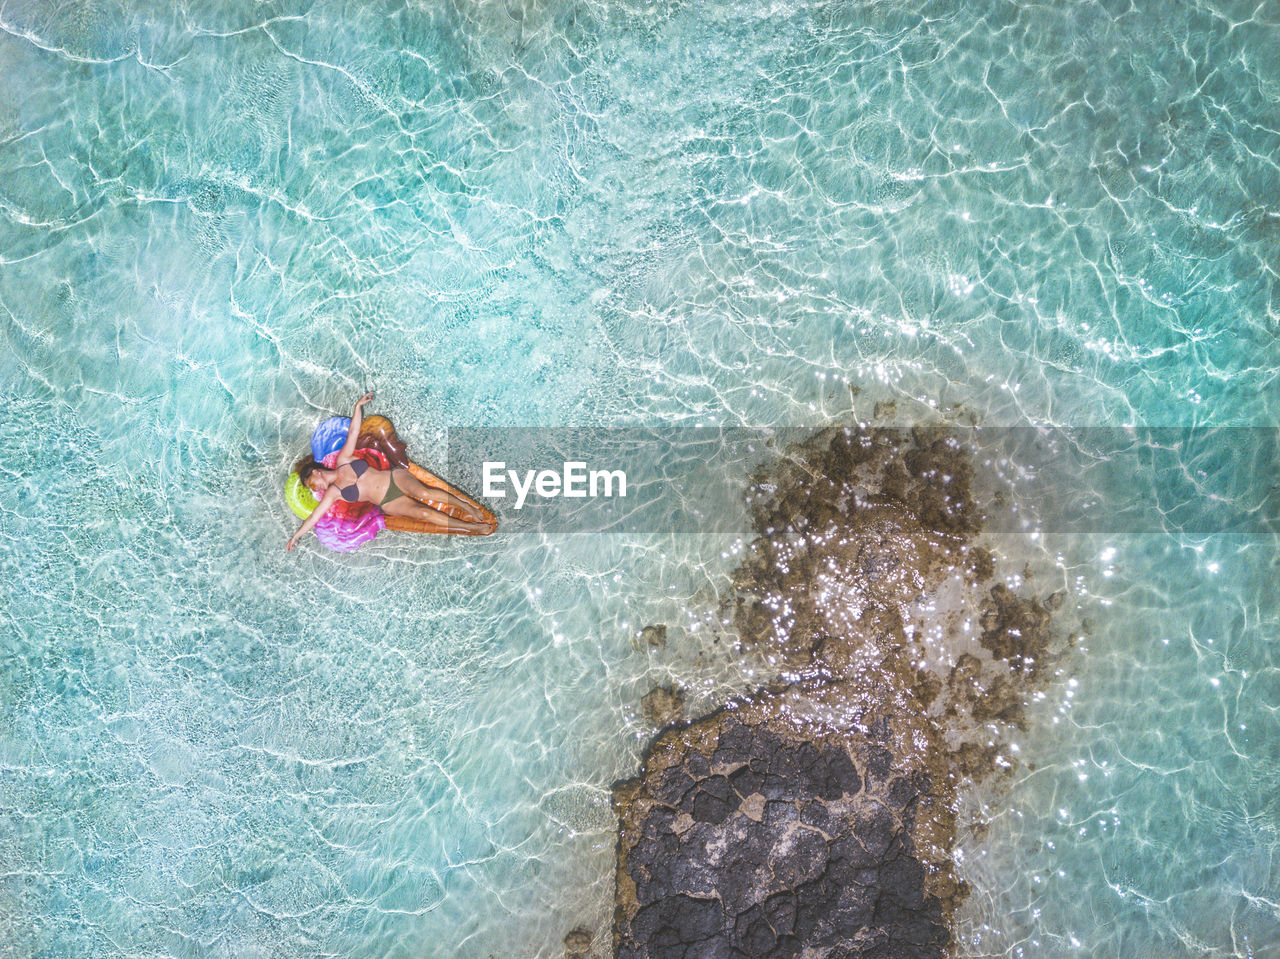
(816, 818)
(806, 850)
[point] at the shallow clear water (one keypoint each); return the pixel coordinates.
(221, 221)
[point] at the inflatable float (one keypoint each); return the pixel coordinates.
(349, 526)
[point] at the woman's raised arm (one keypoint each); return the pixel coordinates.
(353, 431)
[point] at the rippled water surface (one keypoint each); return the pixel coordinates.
(222, 221)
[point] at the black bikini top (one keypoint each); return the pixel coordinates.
(352, 493)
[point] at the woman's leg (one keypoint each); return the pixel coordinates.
(412, 486)
(405, 506)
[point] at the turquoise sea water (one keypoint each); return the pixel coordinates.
(222, 221)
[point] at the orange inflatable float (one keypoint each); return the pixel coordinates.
(377, 433)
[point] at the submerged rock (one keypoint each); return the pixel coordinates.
(663, 705)
(577, 944)
(652, 637)
(1015, 628)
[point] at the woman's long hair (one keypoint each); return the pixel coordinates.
(305, 467)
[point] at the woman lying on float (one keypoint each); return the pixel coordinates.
(395, 491)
